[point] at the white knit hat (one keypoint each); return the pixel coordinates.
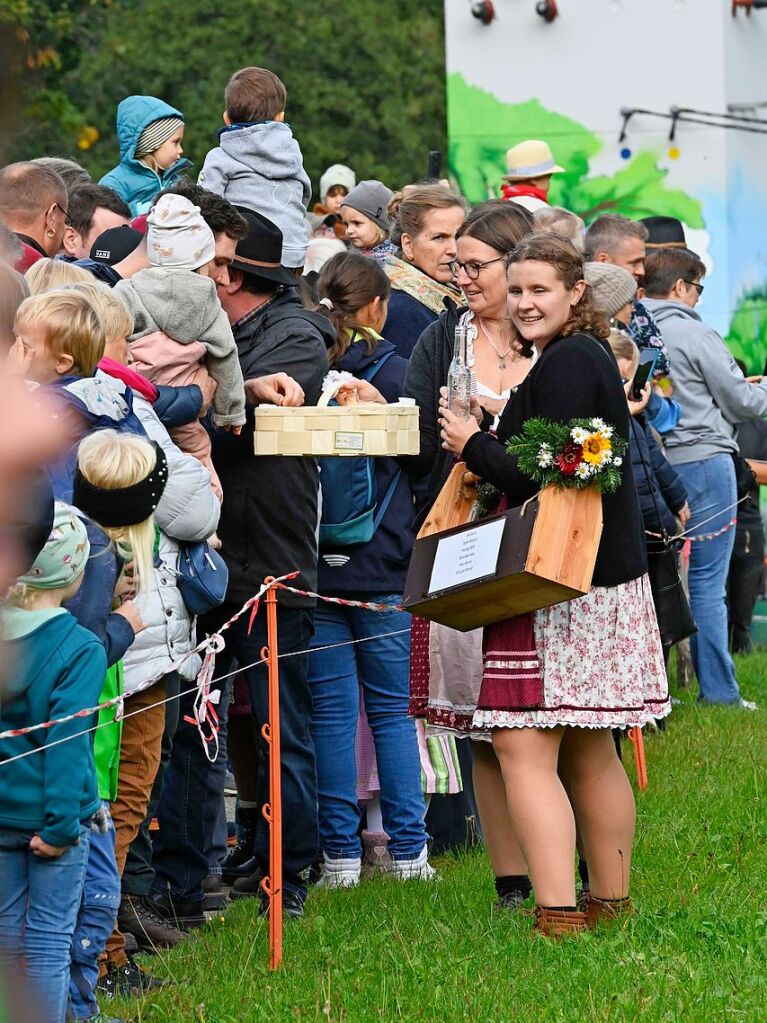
(338, 174)
(177, 237)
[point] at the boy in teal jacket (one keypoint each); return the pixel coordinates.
(48, 797)
(149, 132)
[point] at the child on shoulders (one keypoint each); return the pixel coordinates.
(150, 133)
(258, 163)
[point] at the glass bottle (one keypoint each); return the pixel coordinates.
(459, 374)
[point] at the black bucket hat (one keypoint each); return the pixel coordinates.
(259, 253)
(664, 233)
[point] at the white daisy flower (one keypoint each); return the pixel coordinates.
(583, 471)
(607, 431)
(618, 462)
(578, 434)
(544, 459)
(598, 424)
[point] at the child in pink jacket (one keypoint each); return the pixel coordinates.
(178, 322)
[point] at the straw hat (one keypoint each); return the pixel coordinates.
(530, 159)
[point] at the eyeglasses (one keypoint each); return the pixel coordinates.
(67, 218)
(471, 269)
(694, 284)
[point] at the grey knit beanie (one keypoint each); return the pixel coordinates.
(371, 198)
(612, 287)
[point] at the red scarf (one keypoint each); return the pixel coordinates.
(509, 191)
(130, 377)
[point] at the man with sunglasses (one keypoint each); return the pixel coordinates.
(33, 204)
(714, 396)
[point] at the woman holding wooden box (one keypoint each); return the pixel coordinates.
(589, 664)
(446, 665)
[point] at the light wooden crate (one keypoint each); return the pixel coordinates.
(546, 555)
(337, 430)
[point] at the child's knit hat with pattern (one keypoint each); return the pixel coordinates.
(177, 237)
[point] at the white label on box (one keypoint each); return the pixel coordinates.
(467, 556)
(349, 441)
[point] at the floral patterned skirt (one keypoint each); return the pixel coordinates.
(601, 664)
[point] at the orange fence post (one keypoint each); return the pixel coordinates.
(637, 739)
(272, 884)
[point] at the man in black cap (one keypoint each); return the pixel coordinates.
(267, 527)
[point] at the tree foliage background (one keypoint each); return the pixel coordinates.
(365, 78)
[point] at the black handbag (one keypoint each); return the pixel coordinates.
(672, 608)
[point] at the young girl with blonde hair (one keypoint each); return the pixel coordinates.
(118, 483)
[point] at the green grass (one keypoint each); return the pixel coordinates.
(440, 953)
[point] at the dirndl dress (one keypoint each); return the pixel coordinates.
(592, 662)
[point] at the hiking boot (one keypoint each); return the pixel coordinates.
(138, 917)
(130, 944)
(247, 887)
(179, 913)
(240, 861)
(418, 869)
(607, 910)
(293, 904)
(340, 873)
(128, 981)
(558, 923)
(215, 899)
(510, 901)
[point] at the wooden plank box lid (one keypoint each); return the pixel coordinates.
(546, 555)
(379, 430)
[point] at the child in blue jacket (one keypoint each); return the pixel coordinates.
(49, 795)
(150, 132)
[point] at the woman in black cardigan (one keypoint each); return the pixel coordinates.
(590, 664)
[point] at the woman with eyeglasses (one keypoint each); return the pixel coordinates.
(446, 665)
(424, 219)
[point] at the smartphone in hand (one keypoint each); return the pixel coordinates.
(644, 372)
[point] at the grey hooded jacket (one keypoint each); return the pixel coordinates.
(260, 166)
(708, 385)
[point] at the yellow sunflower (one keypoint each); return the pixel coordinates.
(595, 447)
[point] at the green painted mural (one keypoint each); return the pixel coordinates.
(482, 128)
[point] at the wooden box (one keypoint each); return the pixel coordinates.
(311, 430)
(518, 561)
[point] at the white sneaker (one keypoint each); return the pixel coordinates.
(749, 705)
(340, 873)
(418, 869)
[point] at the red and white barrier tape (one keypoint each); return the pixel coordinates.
(213, 643)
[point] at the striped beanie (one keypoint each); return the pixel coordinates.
(153, 136)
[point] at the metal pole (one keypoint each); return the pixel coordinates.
(272, 884)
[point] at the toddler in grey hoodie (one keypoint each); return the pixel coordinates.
(179, 327)
(258, 163)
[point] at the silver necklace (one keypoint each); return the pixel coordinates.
(502, 356)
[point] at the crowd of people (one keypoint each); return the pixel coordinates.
(147, 316)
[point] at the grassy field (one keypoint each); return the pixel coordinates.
(440, 953)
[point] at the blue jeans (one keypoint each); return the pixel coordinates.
(381, 669)
(95, 921)
(194, 789)
(39, 900)
(710, 486)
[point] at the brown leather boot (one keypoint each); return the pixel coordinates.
(607, 910)
(558, 923)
